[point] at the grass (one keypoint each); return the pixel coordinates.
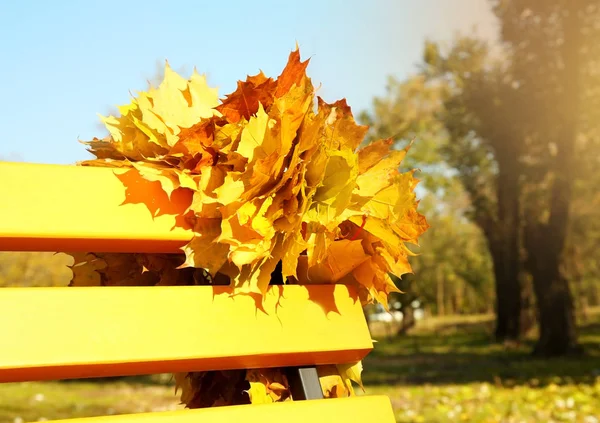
(452, 372)
(39, 401)
(444, 371)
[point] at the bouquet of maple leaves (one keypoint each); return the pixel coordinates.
(274, 185)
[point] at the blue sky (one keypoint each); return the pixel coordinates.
(65, 62)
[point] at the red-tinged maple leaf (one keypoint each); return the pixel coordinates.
(292, 74)
(194, 139)
(244, 101)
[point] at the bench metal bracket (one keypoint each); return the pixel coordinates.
(304, 383)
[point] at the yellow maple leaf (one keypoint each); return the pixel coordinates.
(253, 135)
(258, 393)
(332, 382)
(267, 386)
(351, 373)
(176, 103)
(127, 139)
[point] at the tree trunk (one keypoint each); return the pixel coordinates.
(558, 331)
(504, 242)
(408, 320)
(508, 302)
(440, 292)
(502, 314)
(459, 297)
(528, 310)
(545, 244)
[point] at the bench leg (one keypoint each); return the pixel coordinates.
(304, 383)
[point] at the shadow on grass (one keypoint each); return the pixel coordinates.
(466, 354)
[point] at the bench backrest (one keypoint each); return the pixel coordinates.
(59, 333)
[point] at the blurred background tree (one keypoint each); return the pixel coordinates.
(553, 45)
(516, 126)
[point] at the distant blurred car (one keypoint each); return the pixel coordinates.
(384, 316)
(380, 315)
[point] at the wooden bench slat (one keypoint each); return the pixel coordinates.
(59, 333)
(368, 409)
(73, 208)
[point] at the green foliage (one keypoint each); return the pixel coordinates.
(408, 112)
(453, 272)
(474, 114)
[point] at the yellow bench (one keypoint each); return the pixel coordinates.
(61, 333)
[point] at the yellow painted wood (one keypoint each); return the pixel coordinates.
(73, 208)
(57, 333)
(368, 409)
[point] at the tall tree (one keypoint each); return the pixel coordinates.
(452, 252)
(486, 152)
(554, 50)
(582, 256)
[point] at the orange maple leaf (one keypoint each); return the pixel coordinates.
(243, 102)
(292, 74)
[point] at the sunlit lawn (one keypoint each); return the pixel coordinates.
(455, 374)
(442, 373)
(29, 402)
